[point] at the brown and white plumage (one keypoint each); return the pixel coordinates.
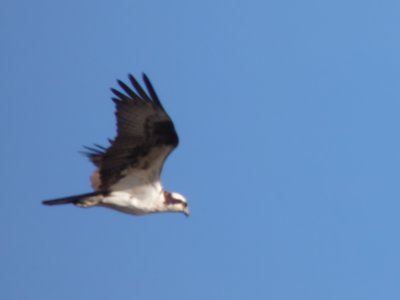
(128, 172)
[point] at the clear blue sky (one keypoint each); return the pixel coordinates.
(288, 114)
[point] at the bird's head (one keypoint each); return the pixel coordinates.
(175, 202)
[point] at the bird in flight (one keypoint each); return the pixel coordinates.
(127, 175)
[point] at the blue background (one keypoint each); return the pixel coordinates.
(288, 114)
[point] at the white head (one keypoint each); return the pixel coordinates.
(175, 202)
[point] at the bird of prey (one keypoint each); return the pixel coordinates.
(127, 175)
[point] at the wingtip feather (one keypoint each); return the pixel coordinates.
(151, 90)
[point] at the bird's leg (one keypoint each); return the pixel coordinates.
(89, 201)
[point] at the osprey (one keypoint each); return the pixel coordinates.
(127, 177)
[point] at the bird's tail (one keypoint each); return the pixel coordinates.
(88, 199)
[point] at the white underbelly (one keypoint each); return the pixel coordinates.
(127, 203)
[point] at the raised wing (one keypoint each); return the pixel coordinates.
(145, 136)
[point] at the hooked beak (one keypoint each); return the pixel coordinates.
(186, 212)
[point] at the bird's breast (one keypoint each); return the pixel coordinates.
(136, 201)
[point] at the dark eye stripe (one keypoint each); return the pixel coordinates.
(176, 201)
(170, 200)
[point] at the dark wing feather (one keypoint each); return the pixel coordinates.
(151, 90)
(145, 135)
(94, 153)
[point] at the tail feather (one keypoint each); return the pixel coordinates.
(70, 200)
